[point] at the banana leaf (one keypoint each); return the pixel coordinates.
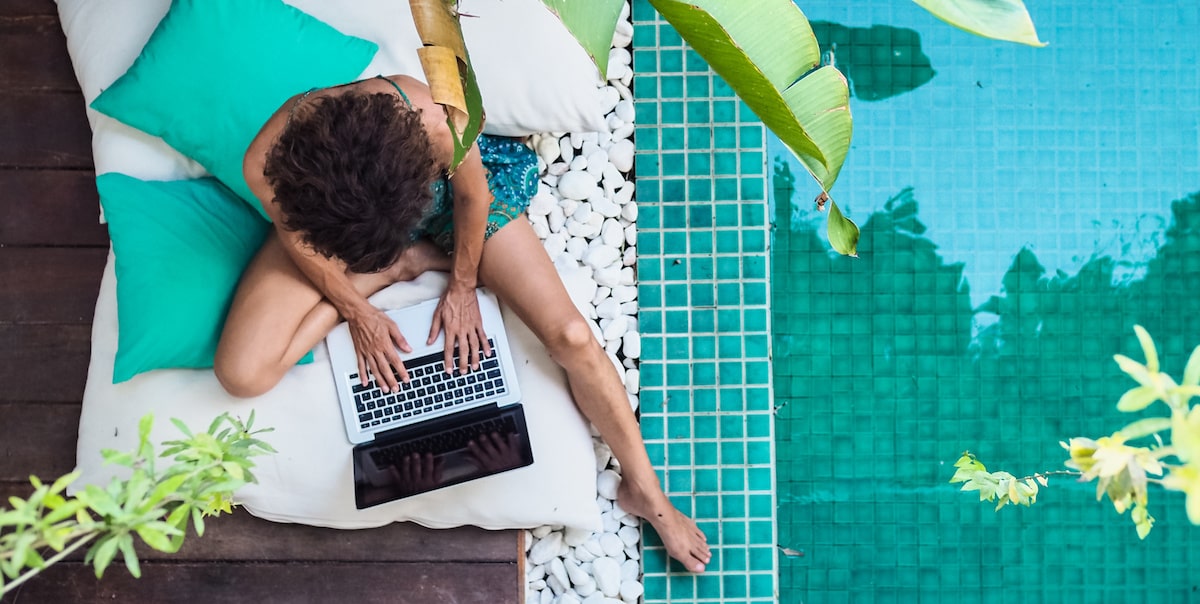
(447, 68)
(767, 53)
(998, 19)
(592, 22)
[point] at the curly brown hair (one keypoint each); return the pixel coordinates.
(352, 173)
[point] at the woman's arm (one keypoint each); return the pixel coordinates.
(458, 313)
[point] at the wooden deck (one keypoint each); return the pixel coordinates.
(52, 254)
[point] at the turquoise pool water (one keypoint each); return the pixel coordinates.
(1022, 209)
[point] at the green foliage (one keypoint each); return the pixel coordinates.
(592, 23)
(1123, 471)
(156, 505)
(999, 19)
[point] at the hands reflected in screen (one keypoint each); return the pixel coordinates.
(493, 452)
(417, 472)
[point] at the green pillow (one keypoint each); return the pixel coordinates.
(214, 71)
(180, 250)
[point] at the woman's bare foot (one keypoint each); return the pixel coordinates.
(416, 259)
(683, 539)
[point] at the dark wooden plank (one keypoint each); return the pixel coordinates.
(38, 439)
(270, 583)
(33, 55)
(43, 363)
(50, 207)
(50, 285)
(242, 537)
(44, 130)
(28, 7)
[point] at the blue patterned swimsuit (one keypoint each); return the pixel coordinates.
(512, 177)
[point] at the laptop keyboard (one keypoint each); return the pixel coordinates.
(444, 442)
(429, 389)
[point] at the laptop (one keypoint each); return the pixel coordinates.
(438, 429)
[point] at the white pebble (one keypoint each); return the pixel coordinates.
(631, 343)
(609, 97)
(610, 526)
(609, 276)
(630, 570)
(586, 587)
(576, 247)
(559, 572)
(555, 244)
(629, 536)
(632, 552)
(603, 454)
(616, 328)
(622, 133)
(548, 149)
(605, 207)
(629, 308)
(570, 598)
(558, 169)
(600, 257)
(613, 546)
(537, 585)
(629, 256)
(593, 546)
(535, 573)
(630, 591)
(624, 293)
(626, 277)
(565, 151)
(624, 111)
(576, 184)
(542, 204)
(629, 212)
(583, 554)
(546, 597)
(607, 483)
(625, 197)
(596, 160)
(608, 308)
(621, 155)
(546, 548)
(633, 381)
(556, 586)
(541, 531)
(608, 575)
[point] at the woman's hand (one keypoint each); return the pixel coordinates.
(376, 338)
(458, 315)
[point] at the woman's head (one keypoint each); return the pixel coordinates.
(352, 174)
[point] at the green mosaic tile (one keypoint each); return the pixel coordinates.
(673, 190)
(724, 188)
(725, 112)
(725, 163)
(645, 88)
(696, 85)
(706, 481)
(699, 112)
(704, 374)
(671, 61)
(705, 454)
(699, 164)
(696, 63)
(732, 401)
(700, 190)
(670, 112)
(724, 137)
(704, 401)
(674, 243)
(699, 242)
(699, 136)
(728, 241)
(706, 426)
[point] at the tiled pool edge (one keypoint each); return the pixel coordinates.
(704, 317)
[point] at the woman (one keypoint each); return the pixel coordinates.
(354, 178)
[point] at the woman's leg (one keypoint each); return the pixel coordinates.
(516, 268)
(277, 315)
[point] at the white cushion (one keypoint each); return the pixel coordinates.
(310, 479)
(533, 75)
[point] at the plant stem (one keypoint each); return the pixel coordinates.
(49, 561)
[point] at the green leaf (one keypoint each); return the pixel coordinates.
(1137, 399)
(592, 22)
(164, 488)
(154, 537)
(125, 544)
(843, 233)
(1191, 374)
(474, 119)
(1144, 427)
(198, 521)
(1148, 348)
(182, 427)
(99, 501)
(767, 53)
(105, 551)
(998, 19)
(1136, 370)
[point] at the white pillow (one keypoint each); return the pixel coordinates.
(310, 479)
(533, 75)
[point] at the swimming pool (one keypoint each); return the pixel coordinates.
(1021, 209)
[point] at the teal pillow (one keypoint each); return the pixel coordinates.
(214, 71)
(180, 250)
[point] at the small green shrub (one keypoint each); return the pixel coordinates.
(1169, 455)
(156, 505)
